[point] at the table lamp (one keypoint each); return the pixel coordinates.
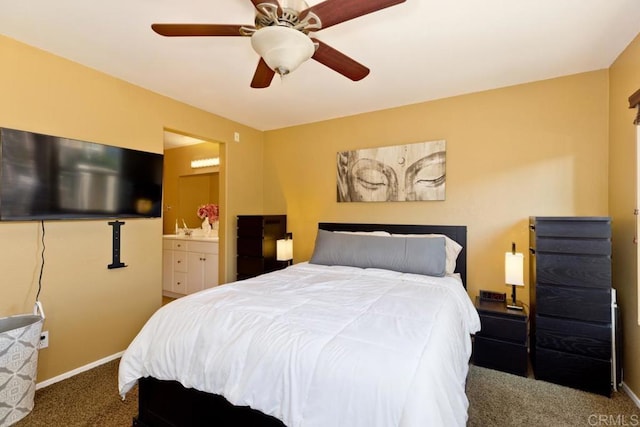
(284, 249)
(513, 272)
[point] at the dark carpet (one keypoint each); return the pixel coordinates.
(496, 399)
(500, 399)
(87, 399)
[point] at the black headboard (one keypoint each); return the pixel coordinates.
(455, 232)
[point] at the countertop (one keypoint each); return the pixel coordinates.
(192, 238)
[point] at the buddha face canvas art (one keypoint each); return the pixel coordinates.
(407, 172)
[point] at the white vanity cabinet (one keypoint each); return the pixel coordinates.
(189, 265)
(202, 266)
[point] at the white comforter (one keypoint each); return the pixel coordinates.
(319, 346)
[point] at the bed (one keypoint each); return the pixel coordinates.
(376, 342)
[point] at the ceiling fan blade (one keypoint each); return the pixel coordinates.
(339, 62)
(263, 75)
(195, 30)
(332, 12)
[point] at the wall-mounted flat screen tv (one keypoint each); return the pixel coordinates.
(46, 177)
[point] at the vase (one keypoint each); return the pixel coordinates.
(214, 229)
(206, 226)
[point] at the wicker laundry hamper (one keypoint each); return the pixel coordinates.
(19, 341)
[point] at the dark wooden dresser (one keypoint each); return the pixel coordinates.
(501, 343)
(571, 301)
(256, 244)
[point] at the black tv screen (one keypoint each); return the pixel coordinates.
(46, 177)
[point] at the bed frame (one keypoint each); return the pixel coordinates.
(169, 404)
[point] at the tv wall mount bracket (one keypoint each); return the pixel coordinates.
(116, 263)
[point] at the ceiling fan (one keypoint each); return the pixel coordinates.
(281, 35)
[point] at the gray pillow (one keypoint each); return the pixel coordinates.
(404, 254)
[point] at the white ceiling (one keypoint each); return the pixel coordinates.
(417, 51)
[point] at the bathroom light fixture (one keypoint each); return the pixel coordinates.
(282, 48)
(205, 163)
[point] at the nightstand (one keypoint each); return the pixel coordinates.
(501, 344)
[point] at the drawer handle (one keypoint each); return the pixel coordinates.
(179, 261)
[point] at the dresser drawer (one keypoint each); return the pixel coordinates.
(585, 373)
(572, 336)
(573, 270)
(180, 283)
(251, 227)
(581, 227)
(250, 266)
(178, 245)
(250, 246)
(180, 261)
(572, 246)
(262, 226)
(501, 355)
(266, 248)
(589, 304)
(503, 328)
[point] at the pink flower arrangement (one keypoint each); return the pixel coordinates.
(209, 211)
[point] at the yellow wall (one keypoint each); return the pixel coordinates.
(87, 317)
(625, 80)
(514, 152)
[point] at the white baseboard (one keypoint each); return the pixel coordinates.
(77, 371)
(631, 394)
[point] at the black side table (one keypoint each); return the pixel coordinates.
(501, 344)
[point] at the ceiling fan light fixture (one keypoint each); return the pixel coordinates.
(282, 48)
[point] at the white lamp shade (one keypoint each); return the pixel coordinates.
(284, 249)
(513, 268)
(282, 48)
